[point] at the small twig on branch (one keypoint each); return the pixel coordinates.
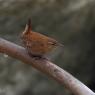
(48, 68)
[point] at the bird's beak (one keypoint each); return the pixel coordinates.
(61, 45)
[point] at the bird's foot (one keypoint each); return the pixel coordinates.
(38, 57)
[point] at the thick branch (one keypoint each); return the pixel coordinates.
(48, 68)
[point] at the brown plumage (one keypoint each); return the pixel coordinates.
(37, 44)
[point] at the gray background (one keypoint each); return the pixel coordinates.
(71, 22)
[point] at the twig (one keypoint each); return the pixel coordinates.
(48, 68)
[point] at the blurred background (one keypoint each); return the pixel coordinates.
(71, 22)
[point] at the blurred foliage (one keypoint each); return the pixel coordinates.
(71, 22)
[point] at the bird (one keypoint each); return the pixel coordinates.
(37, 44)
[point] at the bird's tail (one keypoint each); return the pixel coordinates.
(28, 27)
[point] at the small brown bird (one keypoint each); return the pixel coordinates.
(37, 45)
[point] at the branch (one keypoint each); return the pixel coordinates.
(48, 68)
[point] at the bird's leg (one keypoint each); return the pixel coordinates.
(38, 57)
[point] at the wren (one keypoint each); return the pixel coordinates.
(36, 44)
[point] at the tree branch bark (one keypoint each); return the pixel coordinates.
(45, 66)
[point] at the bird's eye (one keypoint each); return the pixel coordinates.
(52, 43)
